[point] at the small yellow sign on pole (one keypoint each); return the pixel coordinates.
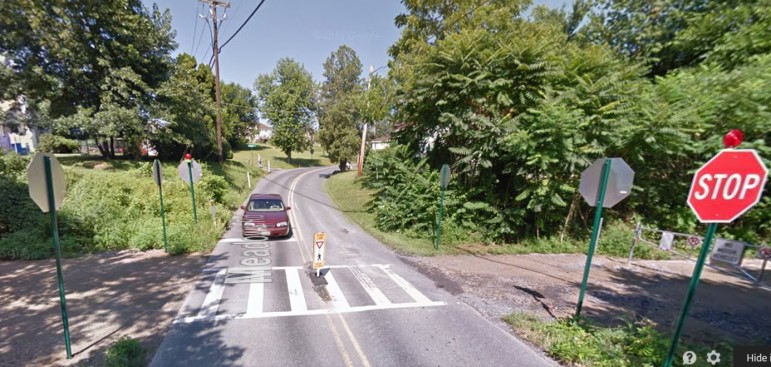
(319, 251)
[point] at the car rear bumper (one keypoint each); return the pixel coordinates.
(270, 232)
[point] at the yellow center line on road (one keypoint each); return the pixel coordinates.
(295, 222)
(301, 241)
(339, 342)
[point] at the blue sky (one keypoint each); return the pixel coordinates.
(305, 30)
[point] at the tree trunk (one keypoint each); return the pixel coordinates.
(571, 212)
(289, 156)
(102, 147)
(112, 147)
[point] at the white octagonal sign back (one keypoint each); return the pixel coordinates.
(620, 180)
(36, 177)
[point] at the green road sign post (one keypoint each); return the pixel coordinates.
(190, 171)
(44, 164)
(251, 152)
(604, 184)
(691, 290)
(444, 180)
(192, 190)
(595, 229)
(715, 200)
(158, 178)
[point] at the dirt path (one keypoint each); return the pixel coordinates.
(108, 296)
(138, 295)
(725, 307)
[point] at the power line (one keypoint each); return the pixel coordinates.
(200, 37)
(239, 28)
(195, 28)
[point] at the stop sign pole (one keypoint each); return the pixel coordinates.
(54, 182)
(722, 189)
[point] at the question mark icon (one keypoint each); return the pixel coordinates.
(689, 358)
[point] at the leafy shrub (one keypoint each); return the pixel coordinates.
(12, 165)
(57, 144)
(126, 352)
(214, 187)
(580, 342)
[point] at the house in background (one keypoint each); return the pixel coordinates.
(261, 132)
(380, 143)
(15, 135)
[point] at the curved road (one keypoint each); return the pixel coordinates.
(259, 304)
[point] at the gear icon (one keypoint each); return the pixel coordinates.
(713, 357)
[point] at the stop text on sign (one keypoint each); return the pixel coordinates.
(725, 185)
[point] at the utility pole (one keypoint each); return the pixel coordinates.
(213, 4)
(360, 165)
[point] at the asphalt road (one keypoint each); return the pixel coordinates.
(258, 303)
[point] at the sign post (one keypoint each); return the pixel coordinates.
(319, 251)
(605, 183)
(724, 188)
(444, 180)
(158, 178)
(190, 171)
(49, 197)
(251, 153)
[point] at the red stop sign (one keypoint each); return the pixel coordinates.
(727, 186)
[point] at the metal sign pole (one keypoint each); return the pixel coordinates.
(159, 181)
(691, 290)
(439, 223)
(163, 221)
(58, 253)
(192, 190)
(595, 232)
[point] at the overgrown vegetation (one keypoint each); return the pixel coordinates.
(115, 205)
(126, 352)
(374, 214)
(57, 144)
(520, 106)
(579, 342)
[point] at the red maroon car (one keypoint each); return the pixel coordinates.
(265, 215)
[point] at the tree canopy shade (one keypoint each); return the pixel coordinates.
(339, 112)
(287, 98)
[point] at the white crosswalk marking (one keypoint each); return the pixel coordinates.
(212, 300)
(296, 295)
(254, 302)
(298, 305)
(414, 293)
(338, 299)
(370, 287)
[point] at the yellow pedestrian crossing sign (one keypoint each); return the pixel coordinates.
(319, 249)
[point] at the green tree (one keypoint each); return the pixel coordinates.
(671, 34)
(239, 113)
(96, 62)
(65, 51)
(183, 118)
(287, 98)
(339, 115)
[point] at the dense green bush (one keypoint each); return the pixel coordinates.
(583, 343)
(126, 352)
(57, 144)
(119, 209)
(12, 165)
(407, 199)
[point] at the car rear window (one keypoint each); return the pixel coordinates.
(261, 205)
